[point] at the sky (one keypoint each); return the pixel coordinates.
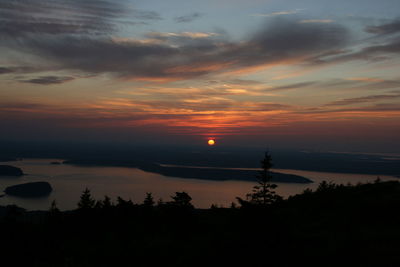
(311, 74)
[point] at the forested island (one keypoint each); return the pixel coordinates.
(215, 174)
(29, 190)
(7, 170)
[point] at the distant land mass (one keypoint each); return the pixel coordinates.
(7, 170)
(217, 156)
(195, 173)
(223, 174)
(34, 189)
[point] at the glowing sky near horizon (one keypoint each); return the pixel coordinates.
(313, 72)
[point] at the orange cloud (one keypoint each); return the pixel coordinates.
(366, 79)
(198, 68)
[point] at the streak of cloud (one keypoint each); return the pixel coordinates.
(364, 99)
(188, 18)
(316, 21)
(47, 80)
(278, 13)
(385, 29)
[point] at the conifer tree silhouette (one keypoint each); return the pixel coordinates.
(53, 207)
(106, 203)
(149, 200)
(86, 202)
(182, 199)
(263, 193)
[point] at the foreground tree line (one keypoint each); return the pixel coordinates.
(350, 225)
(263, 194)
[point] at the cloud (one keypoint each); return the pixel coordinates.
(386, 110)
(187, 55)
(194, 114)
(53, 17)
(19, 69)
(192, 35)
(316, 21)
(4, 70)
(292, 86)
(384, 29)
(364, 99)
(390, 47)
(383, 46)
(20, 106)
(188, 18)
(278, 13)
(374, 52)
(350, 84)
(286, 39)
(47, 80)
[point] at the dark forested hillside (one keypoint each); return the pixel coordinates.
(335, 225)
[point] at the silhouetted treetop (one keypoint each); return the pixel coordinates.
(86, 201)
(182, 199)
(263, 193)
(149, 200)
(106, 204)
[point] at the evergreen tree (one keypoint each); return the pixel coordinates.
(106, 203)
(98, 205)
(54, 214)
(263, 193)
(86, 202)
(182, 199)
(214, 206)
(124, 204)
(325, 186)
(53, 207)
(160, 202)
(149, 200)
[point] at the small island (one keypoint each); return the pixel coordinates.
(203, 173)
(220, 174)
(7, 170)
(29, 190)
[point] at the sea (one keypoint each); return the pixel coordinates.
(68, 182)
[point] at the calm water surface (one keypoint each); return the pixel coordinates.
(68, 181)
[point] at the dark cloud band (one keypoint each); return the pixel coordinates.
(188, 57)
(47, 80)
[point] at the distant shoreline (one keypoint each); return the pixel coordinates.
(333, 162)
(190, 172)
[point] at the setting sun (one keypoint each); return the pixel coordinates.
(211, 142)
